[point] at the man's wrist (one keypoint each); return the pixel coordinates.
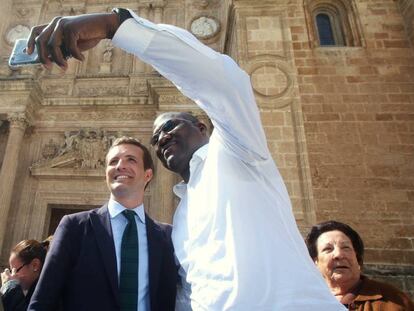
(121, 16)
(112, 25)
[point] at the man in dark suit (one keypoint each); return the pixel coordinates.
(85, 267)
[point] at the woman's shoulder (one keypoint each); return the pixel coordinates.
(387, 291)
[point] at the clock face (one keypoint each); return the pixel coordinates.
(205, 27)
(17, 32)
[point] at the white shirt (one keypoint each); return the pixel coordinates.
(118, 224)
(234, 232)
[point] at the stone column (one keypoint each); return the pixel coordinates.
(18, 125)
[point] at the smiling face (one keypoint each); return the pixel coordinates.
(175, 138)
(126, 176)
(337, 260)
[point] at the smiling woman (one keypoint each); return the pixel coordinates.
(338, 252)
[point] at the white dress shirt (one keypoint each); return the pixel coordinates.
(118, 224)
(234, 232)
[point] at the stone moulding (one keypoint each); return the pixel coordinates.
(279, 69)
(40, 172)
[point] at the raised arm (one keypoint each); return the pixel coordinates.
(213, 80)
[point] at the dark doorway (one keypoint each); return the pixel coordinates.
(57, 211)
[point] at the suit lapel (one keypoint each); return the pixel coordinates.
(155, 247)
(102, 226)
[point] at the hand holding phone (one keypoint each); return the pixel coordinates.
(19, 57)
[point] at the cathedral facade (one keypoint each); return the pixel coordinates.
(333, 79)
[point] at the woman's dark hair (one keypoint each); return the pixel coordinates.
(27, 250)
(331, 225)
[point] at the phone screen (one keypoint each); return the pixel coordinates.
(19, 57)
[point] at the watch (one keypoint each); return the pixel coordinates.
(123, 14)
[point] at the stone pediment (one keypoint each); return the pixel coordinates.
(81, 154)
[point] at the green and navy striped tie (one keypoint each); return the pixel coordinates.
(128, 281)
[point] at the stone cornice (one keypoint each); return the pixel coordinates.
(254, 4)
(16, 84)
(44, 172)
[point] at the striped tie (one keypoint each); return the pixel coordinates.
(128, 283)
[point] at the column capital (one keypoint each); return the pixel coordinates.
(19, 120)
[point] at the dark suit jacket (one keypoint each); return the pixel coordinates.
(80, 269)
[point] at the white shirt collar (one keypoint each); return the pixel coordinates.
(115, 208)
(198, 156)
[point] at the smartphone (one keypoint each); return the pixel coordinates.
(19, 57)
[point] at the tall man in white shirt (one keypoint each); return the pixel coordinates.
(234, 233)
(86, 268)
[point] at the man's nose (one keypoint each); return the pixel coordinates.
(120, 164)
(164, 137)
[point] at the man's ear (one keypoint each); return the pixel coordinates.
(202, 127)
(148, 175)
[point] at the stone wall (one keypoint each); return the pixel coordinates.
(407, 11)
(400, 276)
(359, 121)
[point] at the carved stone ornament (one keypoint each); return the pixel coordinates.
(157, 3)
(83, 149)
(22, 12)
(107, 54)
(203, 3)
(19, 120)
(205, 27)
(50, 150)
(17, 32)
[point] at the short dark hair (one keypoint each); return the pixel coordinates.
(189, 117)
(331, 225)
(182, 115)
(125, 140)
(27, 250)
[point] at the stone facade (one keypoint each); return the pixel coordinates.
(339, 119)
